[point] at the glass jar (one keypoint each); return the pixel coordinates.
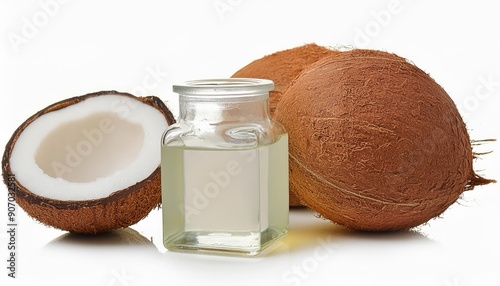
(224, 169)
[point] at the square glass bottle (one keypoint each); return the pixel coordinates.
(224, 169)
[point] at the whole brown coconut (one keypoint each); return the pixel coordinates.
(89, 146)
(282, 68)
(375, 143)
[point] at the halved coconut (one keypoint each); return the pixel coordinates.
(89, 164)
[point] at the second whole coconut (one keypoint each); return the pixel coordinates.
(282, 68)
(375, 143)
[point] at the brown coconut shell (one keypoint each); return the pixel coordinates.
(121, 209)
(282, 67)
(375, 143)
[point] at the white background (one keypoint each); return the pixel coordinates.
(52, 50)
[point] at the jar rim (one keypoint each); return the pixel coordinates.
(225, 87)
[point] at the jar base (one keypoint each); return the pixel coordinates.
(225, 243)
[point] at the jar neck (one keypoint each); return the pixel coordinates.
(227, 110)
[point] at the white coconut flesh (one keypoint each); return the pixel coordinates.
(90, 149)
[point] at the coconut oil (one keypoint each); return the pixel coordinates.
(225, 189)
